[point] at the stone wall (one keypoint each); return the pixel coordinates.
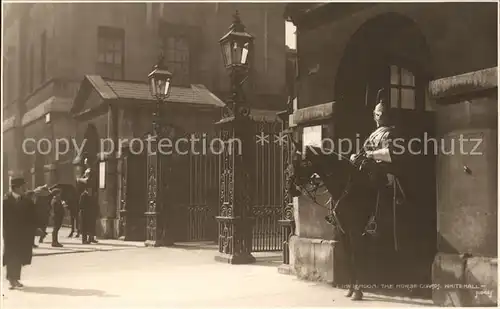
(467, 189)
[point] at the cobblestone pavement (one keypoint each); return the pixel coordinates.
(169, 277)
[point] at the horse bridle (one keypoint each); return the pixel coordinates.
(332, 207)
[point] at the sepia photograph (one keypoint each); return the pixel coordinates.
(182, 154)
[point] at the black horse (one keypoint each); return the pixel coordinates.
(353, 187)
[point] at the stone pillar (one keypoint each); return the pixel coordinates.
(314, 254)
(236, 185)
(159, 208)
(465, 267)
(108, 196)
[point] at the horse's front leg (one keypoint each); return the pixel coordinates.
(351, 271)
(355, 262)
(355, 290)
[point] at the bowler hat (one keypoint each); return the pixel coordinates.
(17, 182)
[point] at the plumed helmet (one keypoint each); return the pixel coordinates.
(381, 101)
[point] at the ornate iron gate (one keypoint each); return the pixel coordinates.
(269, 187)
(203, 190)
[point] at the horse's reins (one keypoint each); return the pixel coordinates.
(344, 193)
(330, 200)
(396, 185)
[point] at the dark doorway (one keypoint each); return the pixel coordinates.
(389, 52)
(133, 188)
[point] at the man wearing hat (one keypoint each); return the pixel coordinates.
(89, 210)
(58, 211)
(19, 226)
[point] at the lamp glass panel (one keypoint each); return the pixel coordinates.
(160, 87)
(237, 53)
(223, 52)
(152, 86)
(167, 87)
(233, 53)
(227, 52)
(244, 54)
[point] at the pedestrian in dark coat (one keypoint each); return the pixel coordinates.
(42, 205)
(19, 226)
(88, 209)
(58, 211)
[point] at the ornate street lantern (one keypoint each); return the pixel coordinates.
(235, 217)
(156, 215)
(236, 45)
(159, 81)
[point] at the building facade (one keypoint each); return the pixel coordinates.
(51, 48)
(437, 63)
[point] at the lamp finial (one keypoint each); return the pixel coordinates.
(237, 25)
(161, 60)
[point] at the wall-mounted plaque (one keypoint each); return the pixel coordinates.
(311, 136)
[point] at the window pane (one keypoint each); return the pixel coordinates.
(109, 57)
(118, 46)
(171, 43)
(394, 97)
(408, 98)
(118, 72)
(101, 57)
(118, 59)
(183, 45)
(101, 44)
(170, 55)
(110, 44)
(394, 75)
(179, 57)
(173, 65)
(407, 78)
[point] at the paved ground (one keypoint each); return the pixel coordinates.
(131, 277)
(73, 245)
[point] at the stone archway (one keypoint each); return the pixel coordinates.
(383, 42)
(386, 39)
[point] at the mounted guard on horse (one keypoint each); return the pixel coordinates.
(362, 188)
